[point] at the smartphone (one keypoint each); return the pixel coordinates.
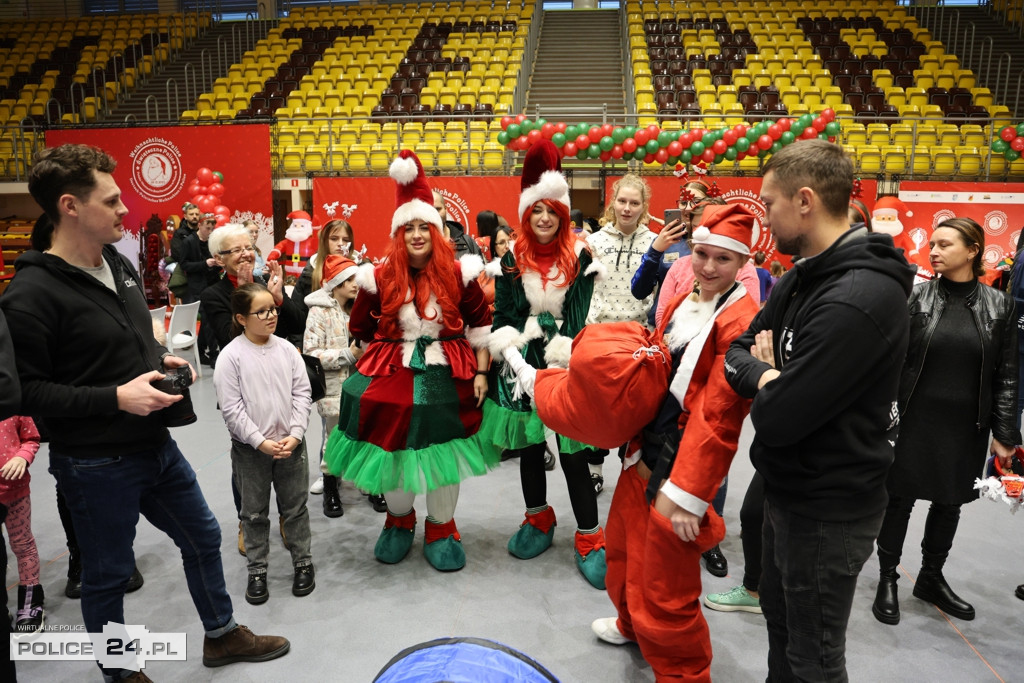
(673, 215)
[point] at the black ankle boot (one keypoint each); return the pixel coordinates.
(931, 587)
(73, 588)
(332, 499)
(886, 607)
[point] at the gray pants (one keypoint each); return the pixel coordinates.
(254, 472)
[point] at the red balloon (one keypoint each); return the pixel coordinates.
(764, 142)
(674, 148)
(560, 127)
(222, 210)
(629, 145)
(686, 139)
(740, 156)
(708, 155)
(1008, 133)
(547, 130)
(641, 136)
(204, 189)
(719, 147)
(221, 220)
(828, 115)
(831, 138)
(740, 129)
(193, 188)
(607, 130)
(605, 156)
(505, 122)
(649, 159)
(774, 132)
(784, 124)
(205, 176)
(207, 203)
(729, 137)
(216, 189)
(520, 118)
(653, 130)
(617, 151)
(583, 141)
(570, 149)
(1017, 144)
(661, 156)
(595, 134)
(534, 136)
(523, 142)
(810, 132)
(819, 124)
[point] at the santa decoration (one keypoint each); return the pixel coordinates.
(892, 217)
(299, 244)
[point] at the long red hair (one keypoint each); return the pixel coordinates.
(399, 285)
(525, 247)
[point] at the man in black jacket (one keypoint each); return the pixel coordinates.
(822, 362)
(87, 360)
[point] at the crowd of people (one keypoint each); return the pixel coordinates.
(866, 394)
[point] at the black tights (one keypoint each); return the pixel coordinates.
(939, 529)
(577, 478)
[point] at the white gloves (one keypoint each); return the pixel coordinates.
(526, 374)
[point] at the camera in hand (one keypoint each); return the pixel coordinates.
(176, 382)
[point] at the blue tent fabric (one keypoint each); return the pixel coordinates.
(463, 660)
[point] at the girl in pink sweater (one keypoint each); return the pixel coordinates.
(19, 441)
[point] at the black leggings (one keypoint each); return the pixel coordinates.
(939, 528)
(751, 521)
(577, 478)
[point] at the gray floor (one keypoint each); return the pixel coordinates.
(363, 612)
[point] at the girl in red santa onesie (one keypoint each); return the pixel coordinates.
(653, 551)
(410, 412)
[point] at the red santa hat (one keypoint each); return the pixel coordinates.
(891, 205)
(300, 216)
(542, 177)
(729, 226)
(338, 269)
(413, 197)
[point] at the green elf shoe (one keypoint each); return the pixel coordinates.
(590, 558)
(443, 546)
(534, 536)
(395, 539)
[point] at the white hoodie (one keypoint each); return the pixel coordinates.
(620, 254)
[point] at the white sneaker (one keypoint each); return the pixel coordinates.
(318, 486)
(606, 630)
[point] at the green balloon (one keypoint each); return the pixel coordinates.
(539, 123)
(594, 151)
(742, 144)
(504, 137)
(558, 139)
(697, 148)
(664, 137)
(787, 138)
(776, 146)
(583, 153)
(730, 153)
(832, 128)
(525, 127)
(219, 176)
(672, 161)
(618, 134)
(719, 158)
(583, 128)
(708, 139)
(514, 130)
(630, 131)
(752, 134)
(806, 120)
(1020, 129)
(652, 146)
(640, 153)
(1000, 146)
(1011, 155)
(606, 143)
(685, 156)
(823, 136)
(796, 128)
(762, 153)
(571, 133)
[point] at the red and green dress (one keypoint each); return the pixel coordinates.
(540, 319)
(408, 418)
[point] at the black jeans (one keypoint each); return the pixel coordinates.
(810, 570)
(751, 523)
(939, 527)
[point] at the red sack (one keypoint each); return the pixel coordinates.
(617, 379)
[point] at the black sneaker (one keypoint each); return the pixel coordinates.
(305, 580)
(135, 583)
(257, 593)
(598, 481)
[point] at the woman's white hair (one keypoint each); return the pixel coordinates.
(222, 234)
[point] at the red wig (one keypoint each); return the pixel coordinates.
(525, 247)
(399, 284)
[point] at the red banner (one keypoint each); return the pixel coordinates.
(744, 191)
(997, 207)
(369, 203)
(156, 166)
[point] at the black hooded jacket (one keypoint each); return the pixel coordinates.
(826, 426)
(75, 341)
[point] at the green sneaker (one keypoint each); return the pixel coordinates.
(395, 539)
(593, 567)
(736, 600)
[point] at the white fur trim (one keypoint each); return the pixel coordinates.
(551, 185)
(319, 297)
(598, 269)
(557, 351)
(414, 327)
(542, 298)
(478, 337)
(415, 209)
(340, 277)
(493, 269)
(501, 339)
(366, 278)
(702, 235)
(472, 266)
(403, 171)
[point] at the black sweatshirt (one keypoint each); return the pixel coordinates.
(75, 341)
(826, 427)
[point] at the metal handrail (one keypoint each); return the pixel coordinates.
(167, 89)
(191, 94)
(969, 46)
(156, 107)
(60, 111)
(999, 73)
(204, 56)
(982, 62)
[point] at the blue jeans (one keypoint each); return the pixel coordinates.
(106, 495)
(809, 575)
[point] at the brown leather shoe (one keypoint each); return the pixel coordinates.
(241, 541)
(242, 645)
(137, 677)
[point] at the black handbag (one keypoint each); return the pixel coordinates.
(317, 377)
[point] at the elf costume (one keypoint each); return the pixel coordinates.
(538, 316)
(408, 419)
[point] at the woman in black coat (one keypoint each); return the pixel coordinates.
(959, 383)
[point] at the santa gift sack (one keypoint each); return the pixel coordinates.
(615, 384)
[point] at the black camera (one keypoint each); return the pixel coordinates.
(176, 382)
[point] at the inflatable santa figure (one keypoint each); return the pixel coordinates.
(892, 217)
(298, 245)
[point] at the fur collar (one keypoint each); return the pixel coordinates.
(366, 277)
(320, 297)
(414, 327)
(688, 320)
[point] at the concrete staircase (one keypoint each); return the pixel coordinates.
(578, 64)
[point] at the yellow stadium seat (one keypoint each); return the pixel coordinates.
(969, 163)
(380, 157)
(877, 134)
(291, 161)
(358, 158)
(869, 159)
(315, 160)
(973, 135)
(902, 134)
(920, 160)
(944, 161)
(894, 159)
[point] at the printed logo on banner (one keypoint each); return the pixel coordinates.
(157, 173)
(942, 215)
(996, 222)
(457, 208)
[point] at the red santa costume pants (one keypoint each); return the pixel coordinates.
(654, 581)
